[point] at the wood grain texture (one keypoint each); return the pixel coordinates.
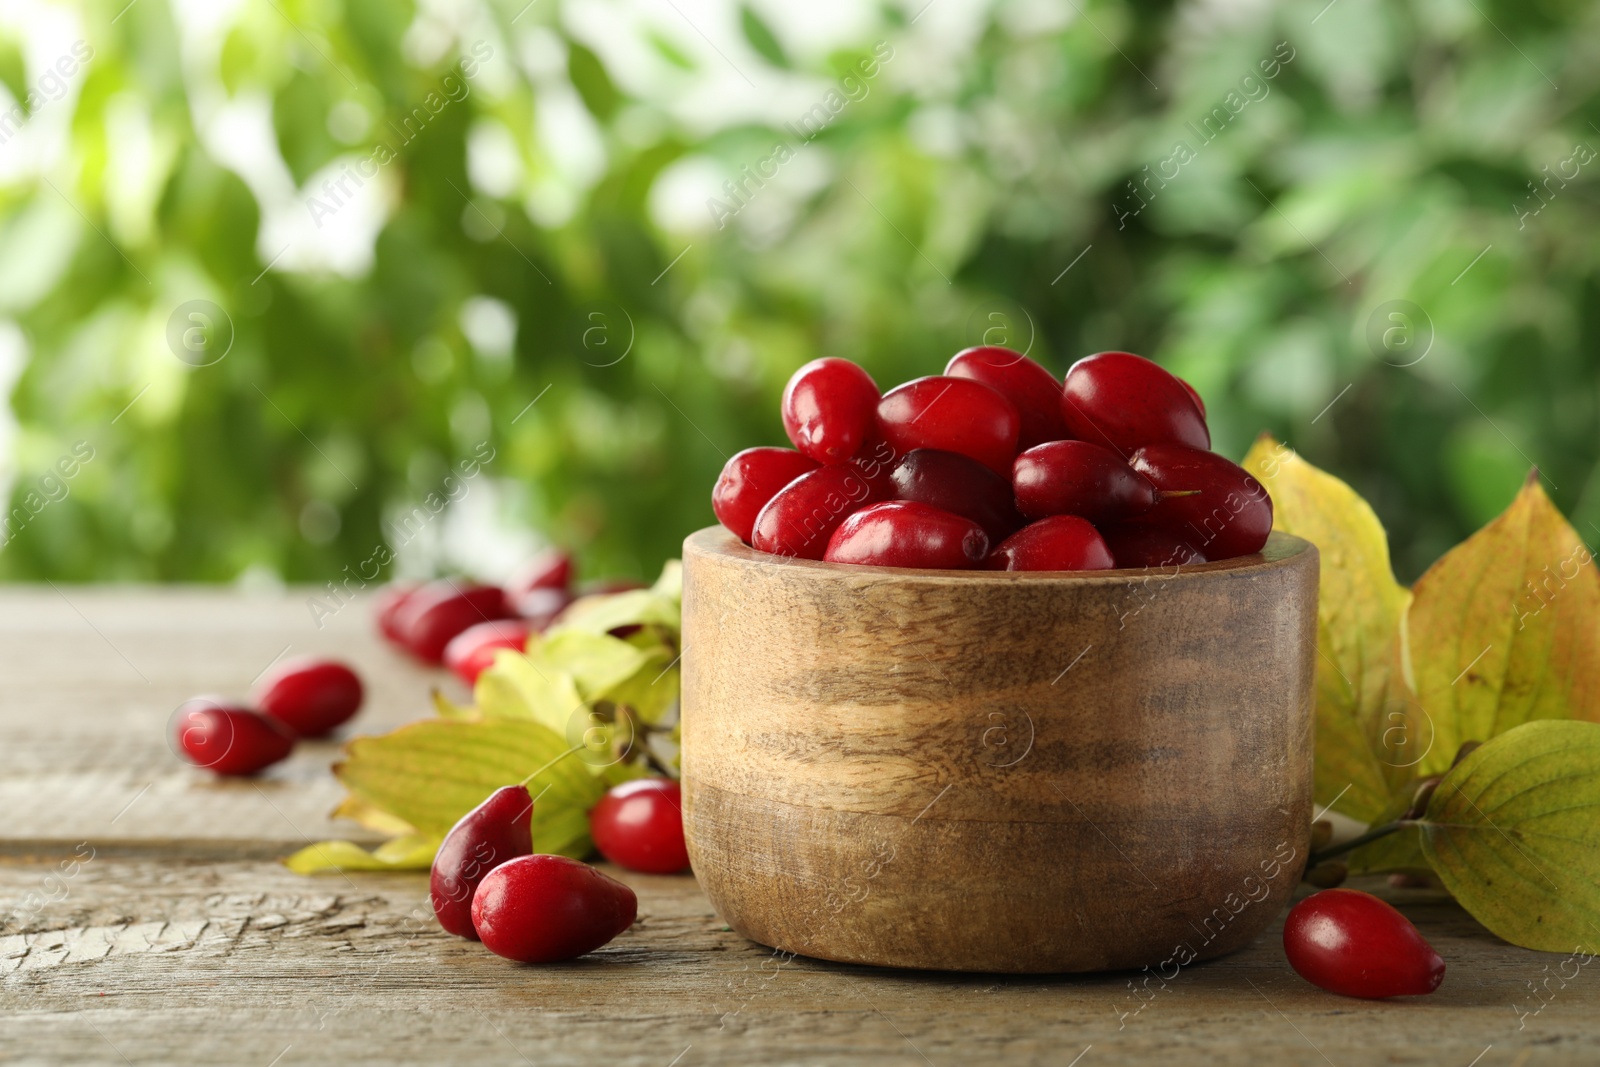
(998, 772)
(149, 956)
(187, 962)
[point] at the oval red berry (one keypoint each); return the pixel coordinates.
(310, 696)
(541, 909)
(639, 825)
(828, 409)
(1354, 944)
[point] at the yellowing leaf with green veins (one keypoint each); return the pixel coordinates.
(514, 687)
(660, 605)
(651, 691)
(597, 662)
(1513, 832)
(431, 773)
(1505, 629)
(412, 852)
(1358, 613)
(373, 818)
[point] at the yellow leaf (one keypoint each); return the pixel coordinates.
(373, 818)
(1357, 618)
(1505, 629)
(1513, 831)
(431, 773)
(412, 852)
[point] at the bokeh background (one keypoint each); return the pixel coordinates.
(271, 271)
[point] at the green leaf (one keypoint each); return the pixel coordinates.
(761, 37)
(637, 607)
(1513, 831)
(589, 77)
(1359, 769)
(412, 852)
(431, 773)
(652, 690)
(1505, 629)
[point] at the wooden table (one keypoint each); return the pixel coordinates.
(177, 938)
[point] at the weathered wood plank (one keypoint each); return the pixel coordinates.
(236, 962)
(93, 677)
(178, 942)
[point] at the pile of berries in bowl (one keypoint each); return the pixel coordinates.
(995, 465)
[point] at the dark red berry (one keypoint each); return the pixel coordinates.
(1059, 543)
(1230, 515)
(639, 825)
(228, 739)
(828, 409)
(551, 569)
(1354, 944)
(498, 830)
(1194, 395)
(1032, 390)
(387, 604)
(875, 461)
(958, 484)
(952, 415)
(541, 909)
(1124, 402)
(310, 696)
(1079, 478)
(439, 610)
(800, 519)
(902, 533)
(472, 651)
(749, 480)
(1137, 545)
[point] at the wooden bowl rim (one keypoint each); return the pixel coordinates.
(1281, 550)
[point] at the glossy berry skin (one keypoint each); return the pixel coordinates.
(1354, 944)
(749, 480)
(828, 409)
(960, 485)
(551, 569)
(903, 533)
(1123, 402)
(952, 415)
(1194, 394)
(876, 461)
(542, 909)
(387, 604)
(800, 519)
(439, 610)
(1137, 545)
(472, 651)
(1058, 543)
(639, 825)
(495, 831)
(310, 696)
(1230, 516)
(1079, 478)
(1032, 390)
(228, 739)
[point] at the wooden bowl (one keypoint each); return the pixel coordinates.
(986, 771)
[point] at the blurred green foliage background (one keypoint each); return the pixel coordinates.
(417, 220)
